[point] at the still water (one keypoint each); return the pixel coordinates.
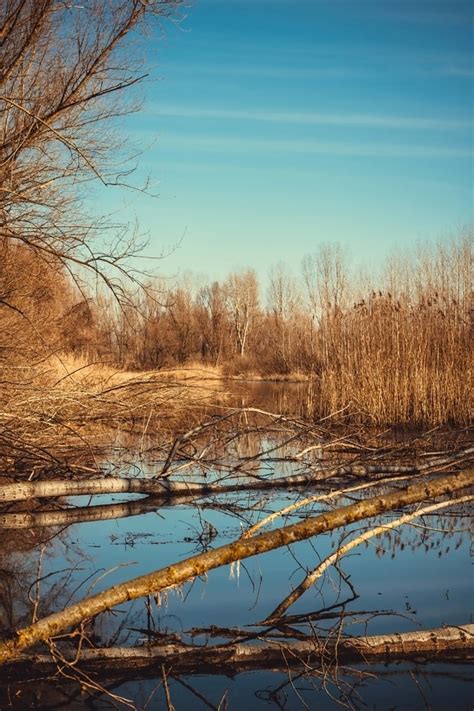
(416, 576)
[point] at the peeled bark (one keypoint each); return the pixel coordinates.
(442, 643)
(244, 548)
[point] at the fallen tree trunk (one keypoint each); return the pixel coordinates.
(334, 494)
(439, 644)
(243, 548)
(108, 485)
(165, 488)
(24, 491)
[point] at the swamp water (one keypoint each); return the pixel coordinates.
(416, 576)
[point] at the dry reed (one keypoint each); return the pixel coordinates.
(402, 356)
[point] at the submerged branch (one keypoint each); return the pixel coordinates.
(198, 565)
(311, 578)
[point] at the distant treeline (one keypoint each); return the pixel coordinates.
(396, 351)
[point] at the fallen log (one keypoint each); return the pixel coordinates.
(440, 644)
(197, 565)
(165, 488)
(24, 491)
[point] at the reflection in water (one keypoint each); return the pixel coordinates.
(408, 577)
(434, 686)
(414, 575)
(295, 398)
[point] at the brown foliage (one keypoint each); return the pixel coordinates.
(395, 355)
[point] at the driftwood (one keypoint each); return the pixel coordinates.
(198, 565)
(443, 643)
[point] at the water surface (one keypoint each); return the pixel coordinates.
(417, 576)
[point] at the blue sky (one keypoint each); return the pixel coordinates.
(271, 126)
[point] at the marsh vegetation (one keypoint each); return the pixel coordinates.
(178, 532)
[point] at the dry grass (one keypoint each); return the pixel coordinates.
(398, 361)
(399, 356)
(70, 372)
(67, 409)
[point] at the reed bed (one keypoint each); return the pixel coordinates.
(400, 361)
(389, 349)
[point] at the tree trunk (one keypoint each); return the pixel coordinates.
(23, 491)
(244, 548)
(442, 643)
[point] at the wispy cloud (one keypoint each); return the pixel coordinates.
(457, 71)
(259, 70)
(321, 63)
(428, 14)
(312, 118)
(237, 144)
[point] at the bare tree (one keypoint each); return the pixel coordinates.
(325, 277)
(213, 322)
(64, 68)
(283, 305)
(243, 303)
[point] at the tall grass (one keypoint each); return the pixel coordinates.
(393, 353)
(403, 356)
